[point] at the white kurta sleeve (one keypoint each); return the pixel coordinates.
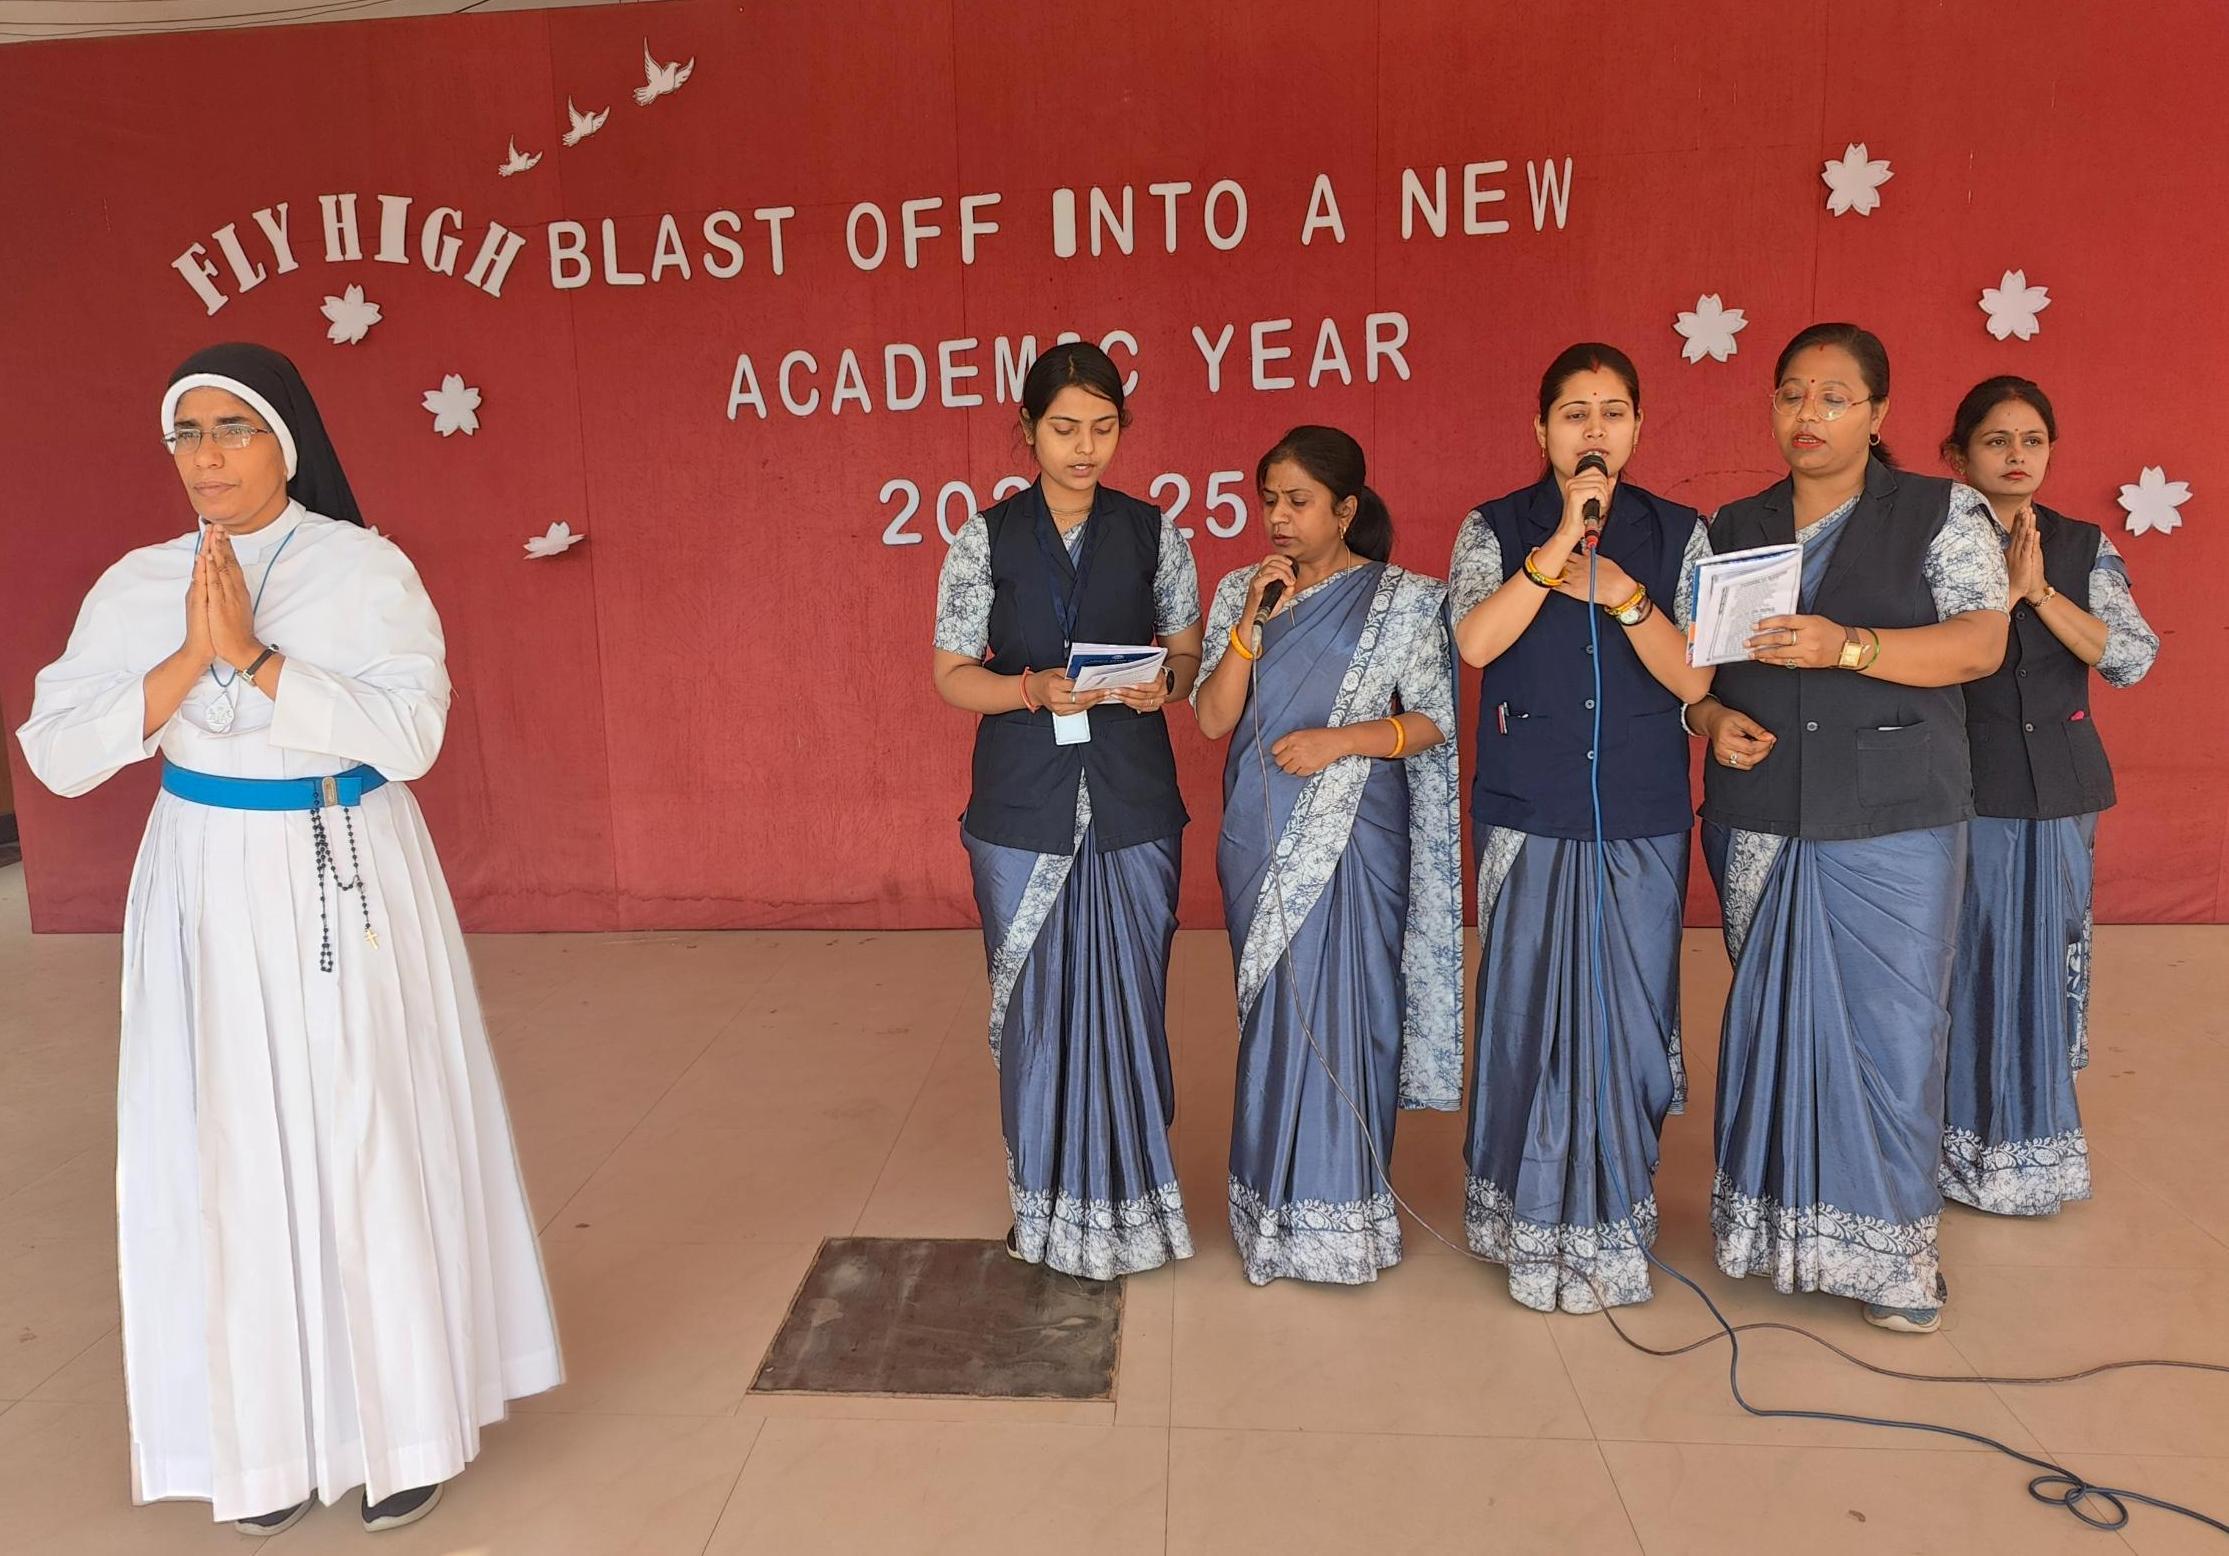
(1476, 570)
(1222, 614)
(2130, 643)
(90, 706)
(1176, 584)
(965, 589)
(390, 706)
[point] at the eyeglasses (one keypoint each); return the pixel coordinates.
(233, 435)
(1833, 403)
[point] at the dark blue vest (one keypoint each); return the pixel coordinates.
(1536, 702)
(2035, 748)
(1024, 793)
(1856, 757)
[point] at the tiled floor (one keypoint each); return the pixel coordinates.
(696, 1111)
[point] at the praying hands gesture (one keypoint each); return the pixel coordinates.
(220, 625)
(2024, 557)
(218, 606)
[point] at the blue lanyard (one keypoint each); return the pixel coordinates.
(1066, 608)
(255, 605)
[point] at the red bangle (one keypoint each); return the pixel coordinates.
(1026, 674)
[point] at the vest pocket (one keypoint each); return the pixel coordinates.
(2086, 759)
(1502, 765)
(1892, 764)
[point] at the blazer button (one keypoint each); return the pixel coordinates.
(1813, 728)
(2030, 728)
(1590, 702)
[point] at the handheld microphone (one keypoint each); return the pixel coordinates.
(1270, 597)
(1591, 516)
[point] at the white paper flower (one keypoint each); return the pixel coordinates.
(558, 537)
(1854, 184)
(455, 406)
(518, 161)
(2152, 501)
(2012, 305)
(350, 318)
(1710, 329)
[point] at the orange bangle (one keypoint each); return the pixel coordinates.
(1238, 645)
(1033, 707)
(1400, 736)
(1640, 593)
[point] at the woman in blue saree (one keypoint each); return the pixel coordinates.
(2012, 1141)
(1559, 1186)
(1074, 826)
(1340, 860)
(1835, 809)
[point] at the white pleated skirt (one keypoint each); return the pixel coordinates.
(329, 1270)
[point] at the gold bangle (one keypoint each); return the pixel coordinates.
(1535, 574)
(1640, 593)
(1239, 647)
(1400, 736)
(1872, 651)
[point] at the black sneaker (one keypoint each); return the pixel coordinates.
(404, 1507)
(275, 1523)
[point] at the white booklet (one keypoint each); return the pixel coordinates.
(1735, 591)
(1110, 667)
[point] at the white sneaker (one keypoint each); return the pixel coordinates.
(1904, 1320)
(1911, 1320)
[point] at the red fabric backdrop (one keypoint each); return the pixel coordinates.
(716, 711)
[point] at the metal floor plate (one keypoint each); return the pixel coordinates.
(945, 1318)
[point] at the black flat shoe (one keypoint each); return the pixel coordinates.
(404, 1507)
(275, 1523)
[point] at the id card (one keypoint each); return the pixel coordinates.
(1071, 729)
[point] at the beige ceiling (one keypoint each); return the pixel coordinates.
(26, 21)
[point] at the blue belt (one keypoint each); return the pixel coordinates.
(347, 788)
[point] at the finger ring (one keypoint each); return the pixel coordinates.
(1792, 637)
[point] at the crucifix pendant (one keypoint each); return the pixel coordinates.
(371, 937)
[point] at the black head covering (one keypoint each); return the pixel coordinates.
(273, 385)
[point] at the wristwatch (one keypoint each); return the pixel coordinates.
(1853, 650)
(1636, 611)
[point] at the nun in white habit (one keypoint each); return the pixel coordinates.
(330, 1276)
